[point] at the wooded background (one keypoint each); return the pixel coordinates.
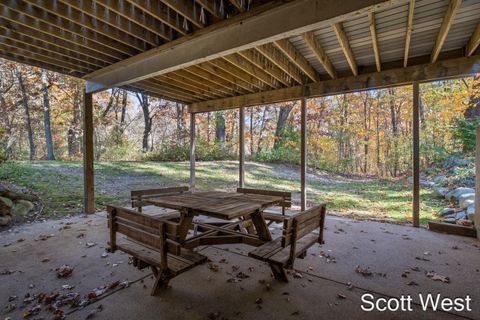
(365, 133)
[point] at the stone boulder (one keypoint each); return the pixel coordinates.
(439, 192)
(5, 205)
(5, 220)
(447, 211)
(461, 215)
(454, 194)
(426, 184)
(471, 213)
(22, 207)
(464, 198)
(439, 179)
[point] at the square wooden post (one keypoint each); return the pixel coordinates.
(477, 184)
(241, 148)
(416, 153)
(88, 156)
(303, 151)
(193, 138)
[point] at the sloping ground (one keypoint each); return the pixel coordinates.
(327, 285)
(60, 183)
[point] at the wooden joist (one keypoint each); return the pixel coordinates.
(297, 58)
(187, 9)
(373, 33)
(258, 27)
(278, 59)
(452, 229)
(445, 27)
(259, 61)
(474, 41)
(345, 45)
(238, 73)
(320, 54)
(408, 34)
(439, 70)
(242, 63)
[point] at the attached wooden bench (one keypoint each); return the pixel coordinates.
(139, 197)
(152, 242)
(297, 237)
(268, 214)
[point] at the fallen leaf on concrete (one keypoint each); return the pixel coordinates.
(92, 313)
(104, 255)
(422, 259)
(64, 271)
(67, 287)
(46, 259)
(412, 283)
(7, 244)
(32, 311)
(213, 267)
(415, 269)
(6, 272)
(341, 296)
(259, 301)
(363, 271)
(90, 244)
(436, 277)
(10, 307)
(43, 237)
(297, 275)
(21, 240)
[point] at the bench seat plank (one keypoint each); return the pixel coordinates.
(282, 256)
(176, 264)
(266, 250)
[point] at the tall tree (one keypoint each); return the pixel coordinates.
(46, 117)
(74, 128)
(147, 120)
(26, 107)
(281, 123)
(220, 129)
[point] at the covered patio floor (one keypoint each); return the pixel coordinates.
(319, 290)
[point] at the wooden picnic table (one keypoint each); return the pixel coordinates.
(221, 205)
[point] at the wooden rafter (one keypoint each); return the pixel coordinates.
(152, 9)
(237, 72)
(82, 21)
(373, 32)
(134, 18)
(198, 95)
(145, 84)
(445, 27)
(192, 81)
(240, 62)
(459, 67)
(53, 34)
(474, 41)
(320, 54)
(408, 34)
(259, 26)
(212, 6)
(297, 58)
(52, 47)
(226, 76)
(184, 85)
(187, 9)
(211, 79)
(168, 89)
(278, 59)
(345, 45)
(12, 56)
(238, 4)
(257, 59)
(21, 10)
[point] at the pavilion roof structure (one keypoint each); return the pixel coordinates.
(219, 54)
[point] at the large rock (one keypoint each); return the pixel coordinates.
(5, 206)
(439, 192)
(456, 193)
(461, 215)
(471, 213)
(22, 207)
(439, 179)
(456, 161)
(4, 220)
(426, 184)
(464, 198)
(447, 211)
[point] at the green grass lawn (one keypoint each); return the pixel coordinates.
(60, 185)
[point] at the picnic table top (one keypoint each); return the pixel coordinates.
(218, 204)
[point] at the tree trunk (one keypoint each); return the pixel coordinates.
(251, 131)
(46, 117)
(145, 104)
(393, 117)
(366, 116)
(220, 129)
(262, 127)
(73, 138)
(281, 123)
(473, 109)
(28, 121)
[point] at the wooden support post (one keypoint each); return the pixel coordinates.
(241, 148)
(303, 148)
(416, 154)
(192, 152)
(88, 173)
(477, 185)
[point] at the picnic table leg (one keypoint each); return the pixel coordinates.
(261, 226)
(279, 272)
(162, 277)
(247, 224)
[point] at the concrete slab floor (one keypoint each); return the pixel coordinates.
(329, 288)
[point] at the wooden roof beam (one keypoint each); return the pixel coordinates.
(373, 32)
(345, 45)
(242, 63)
(213, 7)
(289, 50)
(277, 58)
(239, 5)
(82, 21)
(191, 81)
(213, 69)
(445, 27)
(260, 26)
(446, 69)
(238, 73)
(408, 35)
(184, 85)
(320, 54)
(474, 41)
(260, 61)
(187, 9)
(53, 34)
